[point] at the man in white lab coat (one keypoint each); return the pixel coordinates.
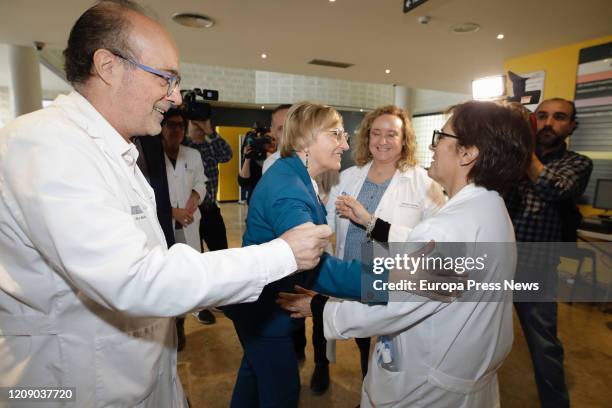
(87, 284)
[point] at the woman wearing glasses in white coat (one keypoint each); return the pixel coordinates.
(388, 182)
(186, 179)
(445, 354)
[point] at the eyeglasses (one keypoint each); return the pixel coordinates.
(339, 134)
(172, 79)
(171, 125)
(437, 135)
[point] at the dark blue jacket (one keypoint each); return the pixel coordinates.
(283, 199)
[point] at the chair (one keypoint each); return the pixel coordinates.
(580, 254)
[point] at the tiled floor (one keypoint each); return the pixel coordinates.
(209, 363)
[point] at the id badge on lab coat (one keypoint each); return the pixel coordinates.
(387, 354)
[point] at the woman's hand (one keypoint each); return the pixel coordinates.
(183, 216)
(298, 304)
(352, 209)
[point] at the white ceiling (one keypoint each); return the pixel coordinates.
(371, 34)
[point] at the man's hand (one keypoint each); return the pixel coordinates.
(308, 242)
(535, 168)
(352, 209)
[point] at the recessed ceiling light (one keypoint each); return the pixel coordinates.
(500, 36)
(387, 71)
(264, 56)
(332, 1)
(464, 28)
(193, 20)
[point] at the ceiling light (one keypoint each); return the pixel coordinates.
(264, 56)
(500, 36)
(263, 107)
(464, 28)
(488, 88)
(387, 71)
(193, 20)
(332, 1)
(360, 110)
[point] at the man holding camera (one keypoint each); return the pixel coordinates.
(214, 150)
(543, 209)
(258, 144)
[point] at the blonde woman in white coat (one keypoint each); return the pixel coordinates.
(445, 354)
(388, 182)
(186, 180)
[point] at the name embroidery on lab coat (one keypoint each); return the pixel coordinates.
(138, 213)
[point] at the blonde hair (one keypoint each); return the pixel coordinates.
(361, 147)
(304, 121)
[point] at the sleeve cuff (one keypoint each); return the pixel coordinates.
(380, 232)
(317, 305)
(284, 263)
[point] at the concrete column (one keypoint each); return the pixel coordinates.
(26, 88)
(402, 97)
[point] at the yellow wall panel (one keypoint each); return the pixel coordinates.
(559, 64)
(228, 172)
(561, 67)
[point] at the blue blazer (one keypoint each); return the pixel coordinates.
(283, 199)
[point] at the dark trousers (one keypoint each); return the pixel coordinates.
(268, 375)
(212, 227)
(318, 340)
(539, 323)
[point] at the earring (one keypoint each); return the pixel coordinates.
(307, 156)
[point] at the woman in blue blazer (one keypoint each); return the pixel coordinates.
(287, 195)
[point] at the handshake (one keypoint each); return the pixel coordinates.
(308, 243)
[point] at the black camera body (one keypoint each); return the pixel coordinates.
(194, 103)
(259, 142)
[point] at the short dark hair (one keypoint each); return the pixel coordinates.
(103, 25)
(570, 103)
(503, 138)
(172, 112)
(280, 108)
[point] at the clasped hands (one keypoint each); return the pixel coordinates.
(185, 215)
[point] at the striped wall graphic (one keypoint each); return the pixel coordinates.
(594, 112)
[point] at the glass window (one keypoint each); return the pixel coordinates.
(423, 128)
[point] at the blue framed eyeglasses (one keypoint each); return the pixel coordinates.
(172, 79)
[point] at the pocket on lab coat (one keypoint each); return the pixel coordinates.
(128, 365)
(407, 214)
(385, 388)
(38, 354)
(189, 178)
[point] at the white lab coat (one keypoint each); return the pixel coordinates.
(187, 175)
(410, 198)
(448, 353)
(84, 266)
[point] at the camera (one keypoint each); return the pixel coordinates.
(259, 141)
(194, 103)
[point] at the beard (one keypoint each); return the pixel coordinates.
(547, 137)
